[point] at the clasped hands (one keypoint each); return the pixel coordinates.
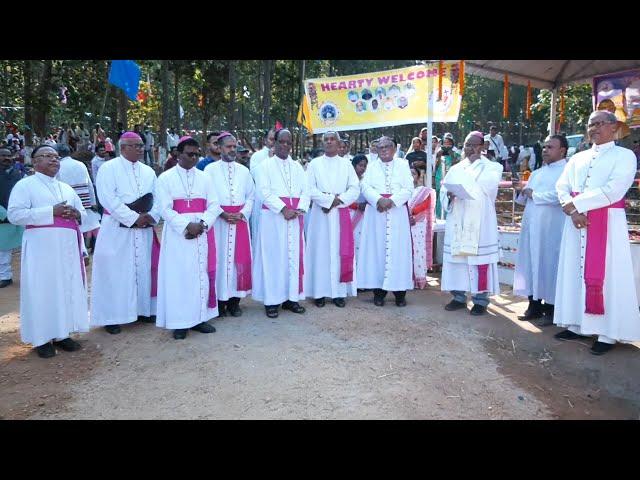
(65, 211)
(144, 220)
(335, 203)
(194, 230)
(579, 219)
(290, 214)
(232, 218)
(384, 204)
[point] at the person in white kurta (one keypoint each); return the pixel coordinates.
(235, 190)
(539, 242)
(600, 178)
(384, 260)
(333, 187)
(255, 164)
(75, 174)
(184, 296)
(278, 272)
(470, 253)
(53, 295)
(121, 288)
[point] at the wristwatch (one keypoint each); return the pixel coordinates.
(204, 224)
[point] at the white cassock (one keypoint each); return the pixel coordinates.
(602, 176)
(75, 174)
(233, 186)
(255, 164)
(53, 296)
(471, 230)
(356, 220)
(539, 242)
(384, 259)
(276, 262)
(327, 177)
(183, 281)
(121, 277)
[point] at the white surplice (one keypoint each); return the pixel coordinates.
(602, 176)
(384, 259)
(277, 246)
(53, 297)
(460, 272)
(233, 185)
(255, 165)
(121, 278)
(327, 177)
(75, 174)
(539, 242)
(183, 281)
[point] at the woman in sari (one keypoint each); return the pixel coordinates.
(421, 221)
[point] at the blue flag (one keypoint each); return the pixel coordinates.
(126, 75)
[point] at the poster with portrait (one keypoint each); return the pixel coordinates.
(619, 93)
(382, 99)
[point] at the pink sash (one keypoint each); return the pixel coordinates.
(199, 205)
(70, 223)
(483, 277)
(293, 204)
(347, 246)
(155, 259)
(595, 261)
(242, 255)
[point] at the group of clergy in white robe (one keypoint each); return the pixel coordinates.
(206, 261)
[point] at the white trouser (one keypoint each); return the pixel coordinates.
(601, 338)
(5, 265)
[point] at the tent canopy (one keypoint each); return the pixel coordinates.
(547, 74)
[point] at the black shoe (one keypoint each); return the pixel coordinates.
(233, 307)
(454, 305)
(143, 319)
(600, 348)
(113, 329)
(378, 297)
(271, 310)
(400, 299)
(530, 314)
(5, 283)
(180, 333)
(478, 310)
(545, 321)
(204, 327)
(222, 308)
(319, 302)
(295, 307)
(68, 345)
(46, 350)
(339, 302)
(567, 335)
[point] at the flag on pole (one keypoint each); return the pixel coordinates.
(125, 74)
(304, 116)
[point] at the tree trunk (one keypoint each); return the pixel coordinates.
(232, 116)
(164, 117)
(123, 105)
(42, 99)
(176, 99)
(28, 106)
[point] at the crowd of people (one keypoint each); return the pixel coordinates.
(330, 226)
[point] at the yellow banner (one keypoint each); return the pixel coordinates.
(382, 99)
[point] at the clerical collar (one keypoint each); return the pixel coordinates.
(603, 147)
(44, 177)
(184, 169)
(557, 162)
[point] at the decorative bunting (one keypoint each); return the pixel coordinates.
(561, 119)
(440, 75)
(461, 77)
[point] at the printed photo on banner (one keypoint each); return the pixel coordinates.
(619, 93)
(379, 99)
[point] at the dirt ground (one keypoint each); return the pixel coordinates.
(360, 362)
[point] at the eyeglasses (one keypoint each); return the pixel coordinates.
(191, 154)
(137, 145)
(598, 124)
(49, 156)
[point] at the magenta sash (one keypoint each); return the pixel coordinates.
(347, 246)
(155, 259)
(595, 261)
(483, 277)
(199, 205)
(293, 204)
(242, 254)
(72, 224)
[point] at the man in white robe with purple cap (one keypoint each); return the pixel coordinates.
(125, 260)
